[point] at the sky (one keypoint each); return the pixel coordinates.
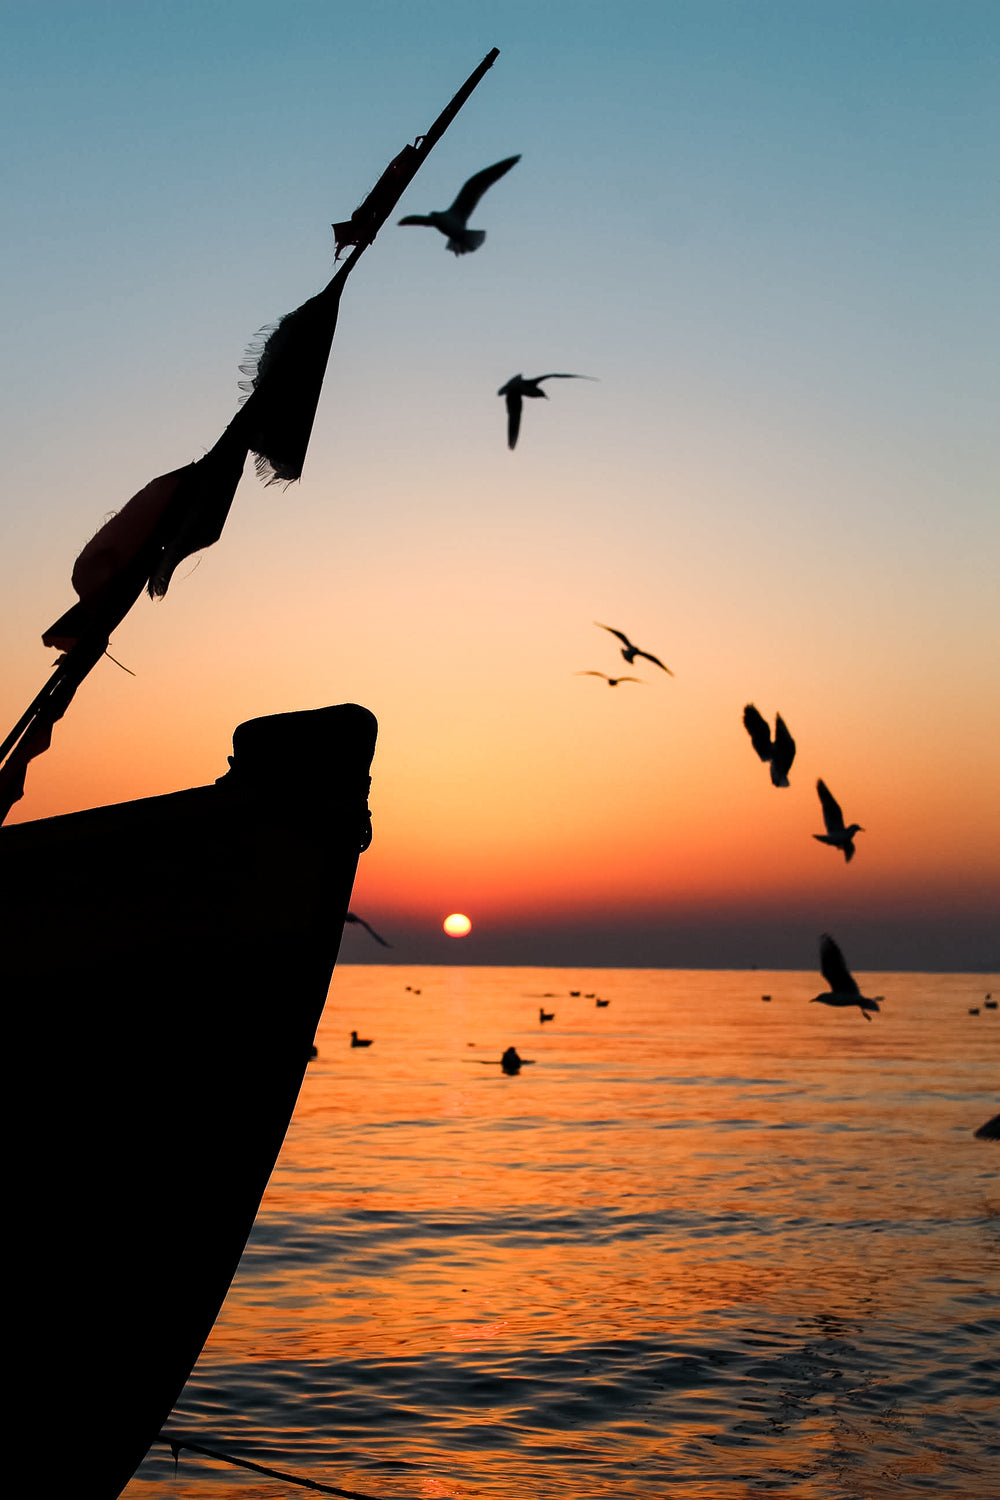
(769, 230)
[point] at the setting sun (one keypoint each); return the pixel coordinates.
(457, 925)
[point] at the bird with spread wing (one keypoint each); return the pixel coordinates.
(836, 833)
(360, 921)
(519, 386)
(453, 221)
(630, 652)
(780, 751)
(843, 986)
(611, 681)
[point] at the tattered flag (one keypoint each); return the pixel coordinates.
(284, 381)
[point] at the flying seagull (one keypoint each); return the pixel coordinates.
(836, 834)
(369, 929)
(780, 751)
(843, 986)
(519, 386)
(452, 221)
(611, 681)
(630, 652)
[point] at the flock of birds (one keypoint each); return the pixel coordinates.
(776, 750)
(453, 223)
(843, 991)
(510, 1060)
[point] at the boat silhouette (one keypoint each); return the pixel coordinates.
(172, 960)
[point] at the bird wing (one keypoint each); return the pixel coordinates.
(619, 633)
(470, 194)
(368, 928)
(833, 968)
(656, 661)
(595, 674)
(759, 731)
(560, 375)
(784, 747)
(514, 405)
(832, 815)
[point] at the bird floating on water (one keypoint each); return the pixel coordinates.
(602, 1004)
(519, 386)
(360, 1041)
(843, 986)
(360, 921)
(453, 221)
(611, 681)
(836, 834)
(780, 751)
(630, 652)
(546, 1015)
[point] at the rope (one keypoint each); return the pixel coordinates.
(177, 1443)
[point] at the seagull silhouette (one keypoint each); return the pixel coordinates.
(546, 1015)
(519, 386)
(843, 986)
(836, 834)
(780, 751)
(611, 681)
(630, 652)
(453, 221)
(368, 928)
(360, 1041)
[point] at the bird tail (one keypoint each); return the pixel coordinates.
(466, 240)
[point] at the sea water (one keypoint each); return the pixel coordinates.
(714, 1241)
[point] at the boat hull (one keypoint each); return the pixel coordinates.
(169, 960)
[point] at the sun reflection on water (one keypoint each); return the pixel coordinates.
(698, 1245)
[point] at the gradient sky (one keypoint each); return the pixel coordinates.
(770, 229)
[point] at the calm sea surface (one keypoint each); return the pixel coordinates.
(706, 1246)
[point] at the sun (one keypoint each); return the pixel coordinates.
(457, 925)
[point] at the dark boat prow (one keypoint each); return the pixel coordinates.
(166, 962)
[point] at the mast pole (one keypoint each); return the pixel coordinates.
(33, 731)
